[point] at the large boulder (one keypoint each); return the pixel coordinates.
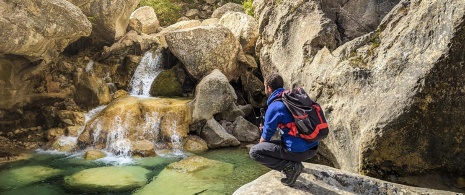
(109, 18)
(205, 48)
(244, 28)
(394, 98)
(91, 91)
(131, 119)
(144, 20)
(213, 95)
(40, 29)
(245, 131)
(307, 30)
(216, 136)
(105, 179)
(320, 179)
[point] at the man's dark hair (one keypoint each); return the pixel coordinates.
(274, 81)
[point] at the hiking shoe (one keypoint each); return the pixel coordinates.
(292, 170)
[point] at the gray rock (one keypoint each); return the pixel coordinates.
(213, 95)
(245, 131)
(232, 113)
(216, 137)
(319, 179)
(214, 47)
(34, 31)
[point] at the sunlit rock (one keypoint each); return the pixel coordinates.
(64, 144)
(144, 20)
(143, 148)
(244, 28)
(107, 179)
(192, 175)
(55, 132)
(26, 175)
(94, 154)
(195, 144)
(205, 48)
(320, 179)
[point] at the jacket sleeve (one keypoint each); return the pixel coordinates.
(272, 118)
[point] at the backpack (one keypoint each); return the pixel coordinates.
(309, 119)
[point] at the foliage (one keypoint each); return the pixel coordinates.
(247, 4)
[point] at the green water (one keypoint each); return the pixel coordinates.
(244, 171)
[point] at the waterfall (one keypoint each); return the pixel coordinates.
(147, 70)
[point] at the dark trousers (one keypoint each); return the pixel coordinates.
(274, 154)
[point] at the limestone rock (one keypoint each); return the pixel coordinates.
(232, 113)
(210, 21)
(109, 18)
(144, 20)
(228, 7)
(55, 132)
(213, 95)
(320, 179)
(71, 118)
(245, 131)
(178, 177)
(23, 176)
(244, 28)
(205, 48)
(40, 29)
(64, 144)
(129, 44)
(94, 155)
(216, 137)
(195, 144)
(104, 179)
(143, 148)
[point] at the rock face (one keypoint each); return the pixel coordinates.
(319, 179)
(205, 48)
(109, 18)
(307, 30)
(356, 18)
(29, 29)
(393, 98)
(216, 136)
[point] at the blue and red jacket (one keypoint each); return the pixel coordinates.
(276, 114)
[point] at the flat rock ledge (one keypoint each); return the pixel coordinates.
(320, 179)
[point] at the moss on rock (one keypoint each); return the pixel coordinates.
(166, 84)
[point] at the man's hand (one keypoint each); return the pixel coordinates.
(261, 127)
(262, 140)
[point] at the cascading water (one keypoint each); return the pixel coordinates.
(147, 70)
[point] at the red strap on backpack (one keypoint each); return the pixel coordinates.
(293, 129)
